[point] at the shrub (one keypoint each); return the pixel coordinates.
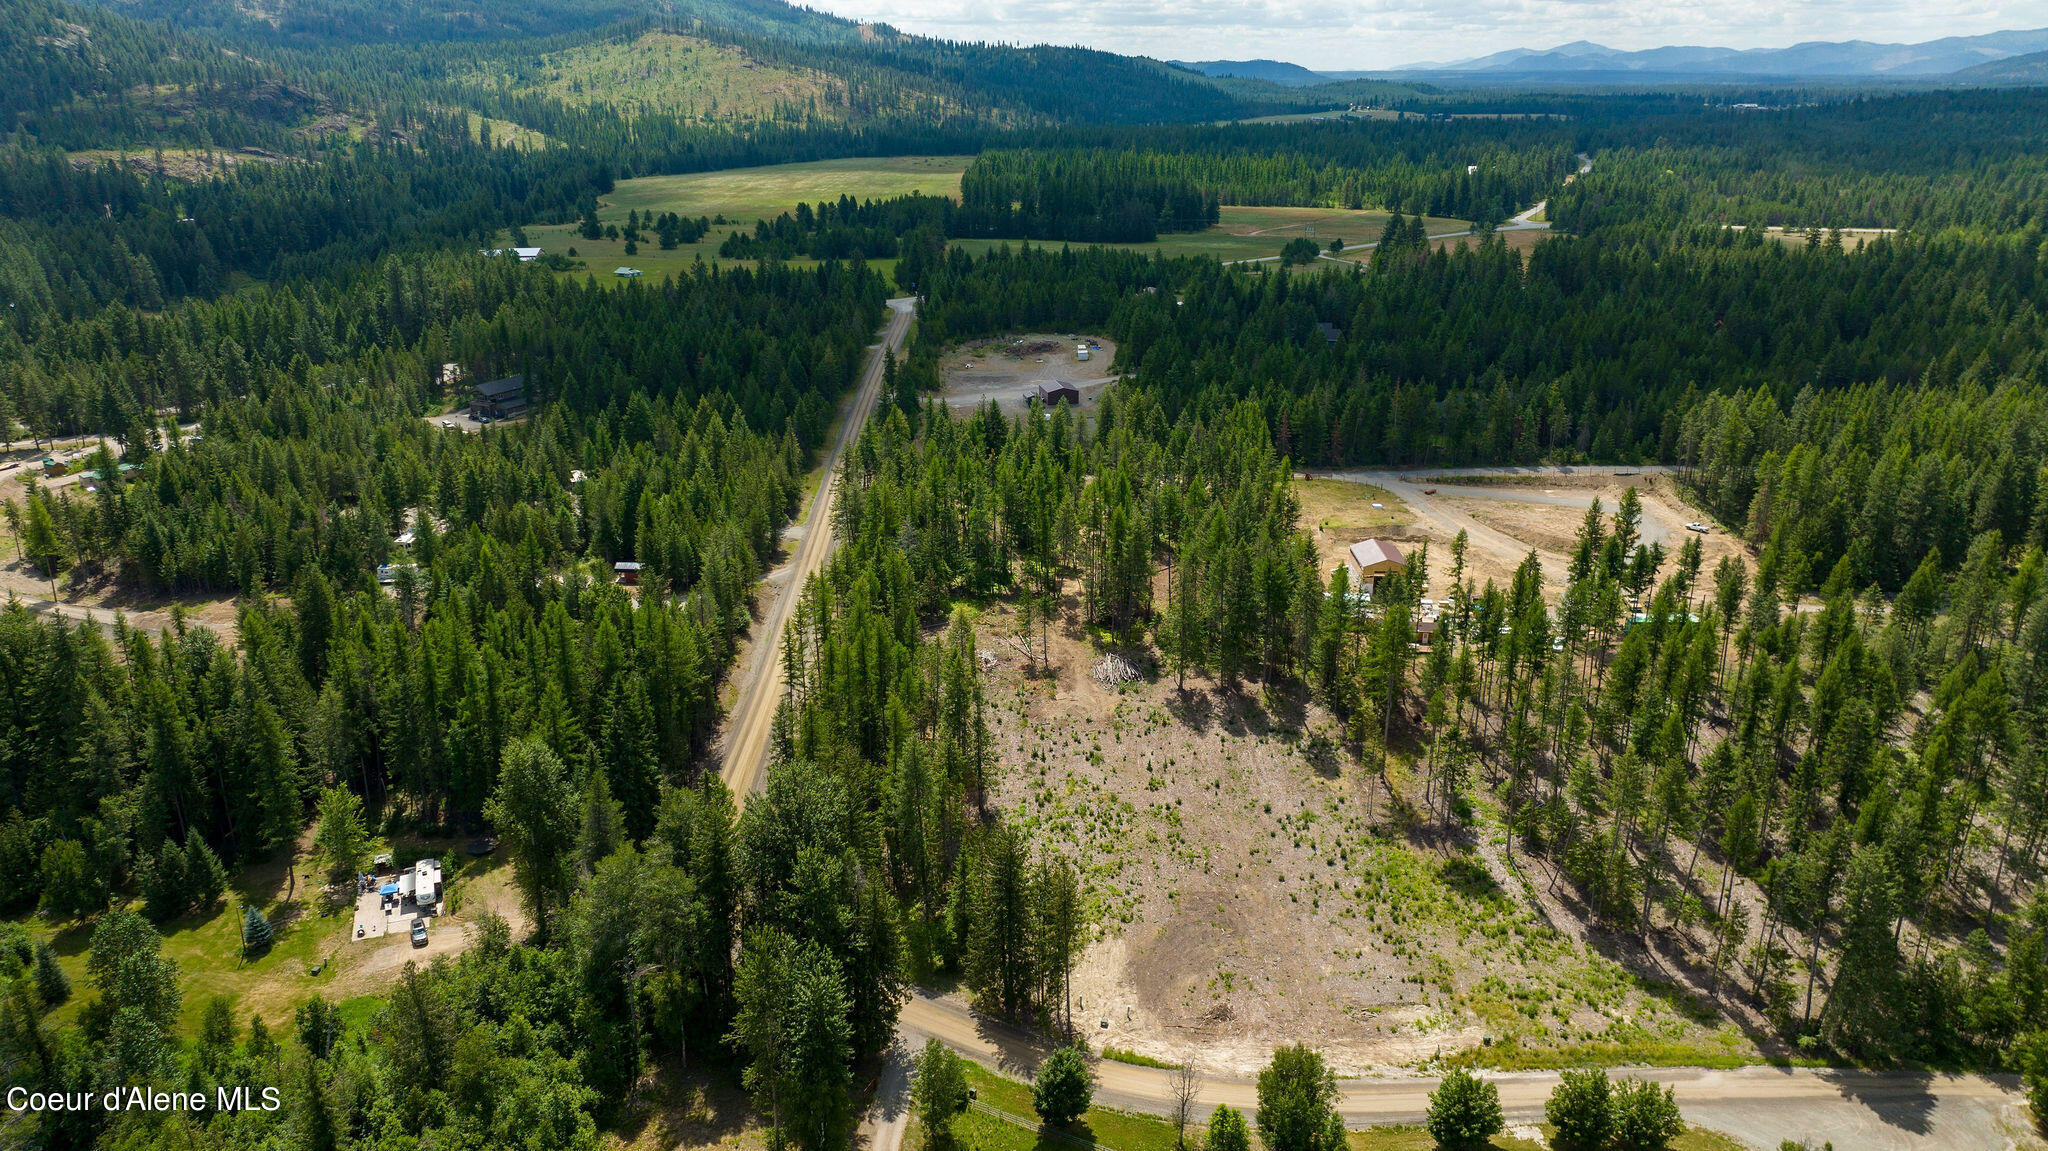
(940, 1089)
(1578, 1108)
(1063, 1087)
(1227, 1131)
(1300, 250)
(1333, 1133)
(1464, 1111)
(1644, 1117)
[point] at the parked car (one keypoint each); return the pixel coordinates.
(449, 424)
(419, 933)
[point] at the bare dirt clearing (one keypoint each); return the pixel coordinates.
(1255, 887)
(1007, 368)
(1504, 516)
(485, 888)
(102, 601)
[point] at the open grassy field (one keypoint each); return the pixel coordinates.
(1251, 233)
(748, 194)
(742, 196)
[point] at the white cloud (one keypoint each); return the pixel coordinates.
(1384, 33)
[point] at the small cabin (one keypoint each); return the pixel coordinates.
(628, 572)
(625, 273)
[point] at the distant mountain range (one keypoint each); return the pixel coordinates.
(1994, 58)
(2031, 68)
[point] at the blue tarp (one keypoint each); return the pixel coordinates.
(388, 889)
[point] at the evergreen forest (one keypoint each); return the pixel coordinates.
(254, 267)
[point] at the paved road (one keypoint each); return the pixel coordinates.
(1864, 1111)
(745, 747)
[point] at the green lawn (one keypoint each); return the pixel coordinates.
(208, 952)
(1400, 1138)
(208, 948)
(1119, 1129)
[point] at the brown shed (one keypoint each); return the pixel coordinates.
(1057, 392)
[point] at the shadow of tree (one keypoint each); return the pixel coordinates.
(684, 1107)
(1900, 1099)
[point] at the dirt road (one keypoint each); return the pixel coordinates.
(745, 746)
(1869, 1111)
(1657, 526)
(1660, 524)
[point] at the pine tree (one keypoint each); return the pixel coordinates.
(256, 931)
(536, 814)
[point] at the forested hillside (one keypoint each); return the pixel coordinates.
(90, 80)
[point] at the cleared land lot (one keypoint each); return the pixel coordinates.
(1255, 886)
(1853, 239)
(1505, 515)
(664, 73)
(1007, 368)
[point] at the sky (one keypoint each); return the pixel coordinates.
(1360, 34)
